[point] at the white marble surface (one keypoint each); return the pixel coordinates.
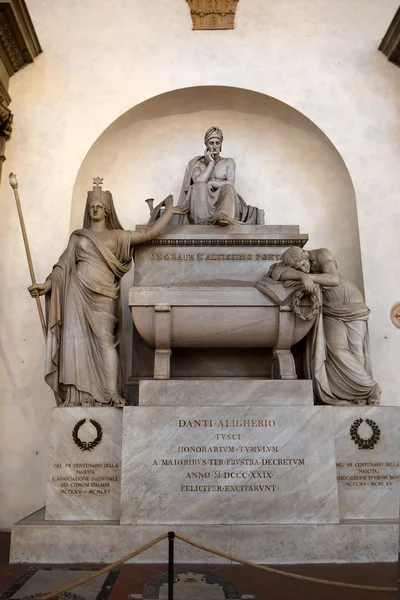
(168, 265)
(193, 253)
(304, 151)
(84, 484)
(180, 465)
(233, 233)
(232, 392)
(368, 479)
(211, 318)
(34, 540)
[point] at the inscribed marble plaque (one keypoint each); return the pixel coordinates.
(368, 461)
(84, 464)
(228, 464)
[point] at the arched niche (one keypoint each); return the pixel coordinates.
(285, 163)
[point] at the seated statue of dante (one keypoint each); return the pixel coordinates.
(337, 356)
(208, 189)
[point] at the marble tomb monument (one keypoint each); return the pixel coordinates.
(258, 428)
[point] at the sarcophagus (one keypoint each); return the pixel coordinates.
(218, 317)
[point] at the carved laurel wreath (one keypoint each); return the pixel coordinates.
(87, 445)
(369, 443)
(299, 311)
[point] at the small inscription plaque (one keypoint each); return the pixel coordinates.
(371, 474)
(85, 464)
(88, 479)
(228, 465)
(367, 461)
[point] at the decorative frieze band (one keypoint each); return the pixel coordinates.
(6, 119)
(227, 242)
(19, 44)
(9, 46)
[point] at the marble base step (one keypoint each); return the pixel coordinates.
(229, 392)
(35, 540)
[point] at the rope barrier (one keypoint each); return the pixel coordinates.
(248, 563)
(106, 569)
(242, 561)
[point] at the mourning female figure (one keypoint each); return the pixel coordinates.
(208, 189)
(82, 365)
(338, 347)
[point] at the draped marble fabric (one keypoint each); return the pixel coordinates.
(337, 356)
(339, 348)
(81, 315)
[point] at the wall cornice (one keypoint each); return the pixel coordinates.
(390, 44)
(19, 44)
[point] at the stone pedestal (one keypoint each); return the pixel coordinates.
(269, 496)
(35, 540)
(368, 473)
(84, 464)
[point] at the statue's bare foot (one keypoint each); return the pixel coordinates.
(117, 401)
(376, 398)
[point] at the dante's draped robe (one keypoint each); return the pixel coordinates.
(208, 206)
(81, 315)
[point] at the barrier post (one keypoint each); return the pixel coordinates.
(171, 538)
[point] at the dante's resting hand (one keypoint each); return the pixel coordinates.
(180, 210)
(209, 157)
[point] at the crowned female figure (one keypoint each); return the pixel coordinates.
(82, 291)
(208, 188)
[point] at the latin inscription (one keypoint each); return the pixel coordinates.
(247, 471)
(208, 256)
(85, 479)
(367, 474)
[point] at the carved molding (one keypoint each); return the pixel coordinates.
(19, 44)
(390, 45)
(228, 242)
(6, 119)
(213, 14)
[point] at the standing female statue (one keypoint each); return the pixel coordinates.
(82, 365)
(208, 188)
(338, 349)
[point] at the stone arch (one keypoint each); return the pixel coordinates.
(285, 163)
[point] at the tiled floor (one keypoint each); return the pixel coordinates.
(264, 586)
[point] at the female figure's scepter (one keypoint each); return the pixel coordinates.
(14, 185)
